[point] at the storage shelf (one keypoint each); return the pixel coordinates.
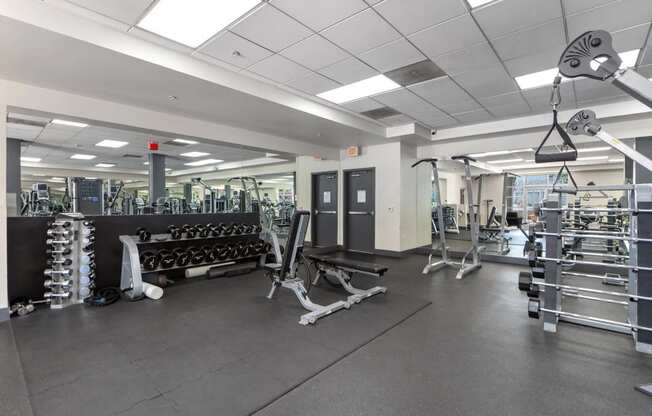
(165, 238)
(215, 263)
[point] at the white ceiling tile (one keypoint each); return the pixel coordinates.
(445, 94)
(410, 16)
(397, 120)
(225, 46)
(539, 98)
(590, 90)
(279, 69)
(509, 110)
(601, 101)
(127, 11)
(475, 58)
(631, 38)
(348, 71)
(574, 6)
(319, 14)
(486, 82)
(361, 32)
(439, 122)
(458, 33)
(610, 17)
(406, 102)
(502, 17)
(362, 105)
(543, 59)
(393, 55)
(313, 83)
(531, 40)
(476, 116)
(271, 28)
(315, 52)
(512, 98)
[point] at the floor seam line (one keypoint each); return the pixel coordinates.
(356, 349)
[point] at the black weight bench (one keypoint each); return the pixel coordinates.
(343, 270)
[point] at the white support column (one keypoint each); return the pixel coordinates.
(4, 303)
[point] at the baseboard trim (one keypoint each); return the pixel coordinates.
(4, 314)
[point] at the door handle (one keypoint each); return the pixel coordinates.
(317, 212)
(361, 213)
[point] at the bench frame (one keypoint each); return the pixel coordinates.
(284, 274)
(344, 275)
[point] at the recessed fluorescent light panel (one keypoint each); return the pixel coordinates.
(501, 152)
(114, 144)
(83, 157)
(69, 123)
(478, 3)
(204, 162)
(365, 88)
(593, 149)
(30, 159)
(104, 165)
(192, 23)
(546, 77)
(505, 160)
(581, 159)
(195, 154)
(184, 141)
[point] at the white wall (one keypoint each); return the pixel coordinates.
(3, 204)
(402, 193)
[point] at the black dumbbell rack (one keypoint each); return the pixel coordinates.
(133, 272)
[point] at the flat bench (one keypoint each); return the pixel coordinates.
(343, 270)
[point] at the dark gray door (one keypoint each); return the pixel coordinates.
(360, 205)
(324, 213)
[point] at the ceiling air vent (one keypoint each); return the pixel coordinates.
(130, 156)
(382, 112)
(415, 73)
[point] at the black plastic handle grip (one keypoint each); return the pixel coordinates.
(424, 161)
(555, 157)
(463, 157)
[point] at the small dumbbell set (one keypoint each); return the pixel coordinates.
(70, 272)
(595, 254)
(198, 246)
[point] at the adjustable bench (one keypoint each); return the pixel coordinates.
(284, 274)
(343, 270)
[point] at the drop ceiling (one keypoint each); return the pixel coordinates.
(318, 45)
(312, 46)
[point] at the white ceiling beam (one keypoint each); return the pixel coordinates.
(56, 19)
(604, 111)
(27, 98)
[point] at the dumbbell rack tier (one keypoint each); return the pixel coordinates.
(70, 274)
(132, 272)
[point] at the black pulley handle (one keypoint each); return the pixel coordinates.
(572, 190)
(567, 156)
(430, 160)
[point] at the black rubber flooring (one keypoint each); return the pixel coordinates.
(221, 348)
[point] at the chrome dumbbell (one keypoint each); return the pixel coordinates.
(52, 242)
(57, 273)
(64, 284)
